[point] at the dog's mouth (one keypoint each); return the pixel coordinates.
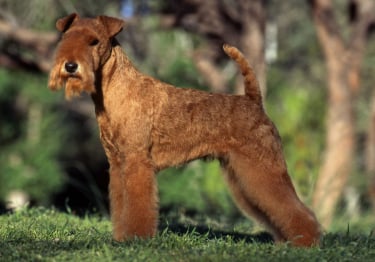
(75, 84)
(73, 77)
(67, 79)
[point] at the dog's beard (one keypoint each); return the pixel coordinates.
(75, 84)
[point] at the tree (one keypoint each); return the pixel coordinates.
(370, 152)
(343, 61)
(40, 44)
(240, 23)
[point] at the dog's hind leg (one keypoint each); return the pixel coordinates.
(266, 193)
(246, 206)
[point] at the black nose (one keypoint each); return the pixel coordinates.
(71, 67)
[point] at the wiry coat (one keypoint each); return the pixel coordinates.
(147, 125)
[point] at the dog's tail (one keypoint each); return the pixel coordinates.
(252, 88)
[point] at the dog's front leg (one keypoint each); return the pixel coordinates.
(134, 206)
(117, 200)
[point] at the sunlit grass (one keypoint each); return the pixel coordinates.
(49, 235)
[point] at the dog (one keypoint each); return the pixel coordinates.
(147, 125)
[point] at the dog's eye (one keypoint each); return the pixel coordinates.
(94, 42)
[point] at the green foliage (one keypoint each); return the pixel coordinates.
(29, 137)
(47, 235)
(215, 191)
(36, 174)
(169, 56)
(180, 187)
(199, 186)
(296, 99)
(297, 109)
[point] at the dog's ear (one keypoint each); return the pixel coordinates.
(64, 23)
(112, 24)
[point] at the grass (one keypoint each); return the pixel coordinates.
(39, 234)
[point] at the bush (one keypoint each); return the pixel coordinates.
(29, 139)
(199, 186)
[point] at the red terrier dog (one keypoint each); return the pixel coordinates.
(147, 125)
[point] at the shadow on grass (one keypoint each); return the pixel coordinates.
(212, 234)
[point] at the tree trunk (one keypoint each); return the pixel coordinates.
(370, 153)
(337, 163)
(343, 62)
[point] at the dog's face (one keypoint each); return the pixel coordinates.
(85, 46)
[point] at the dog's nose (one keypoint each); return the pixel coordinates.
(71, 67)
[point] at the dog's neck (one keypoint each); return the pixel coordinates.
(117, 67)
(112, 74)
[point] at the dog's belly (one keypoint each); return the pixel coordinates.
(169, 151)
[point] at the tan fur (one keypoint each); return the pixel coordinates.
(147, 125)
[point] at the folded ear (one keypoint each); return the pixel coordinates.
(113, 25)
(64, 23)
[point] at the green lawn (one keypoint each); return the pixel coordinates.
(49, 235)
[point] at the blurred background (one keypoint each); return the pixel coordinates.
(315, 61)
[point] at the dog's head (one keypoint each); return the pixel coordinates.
(85, 45)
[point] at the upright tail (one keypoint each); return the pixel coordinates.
(252, 88)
